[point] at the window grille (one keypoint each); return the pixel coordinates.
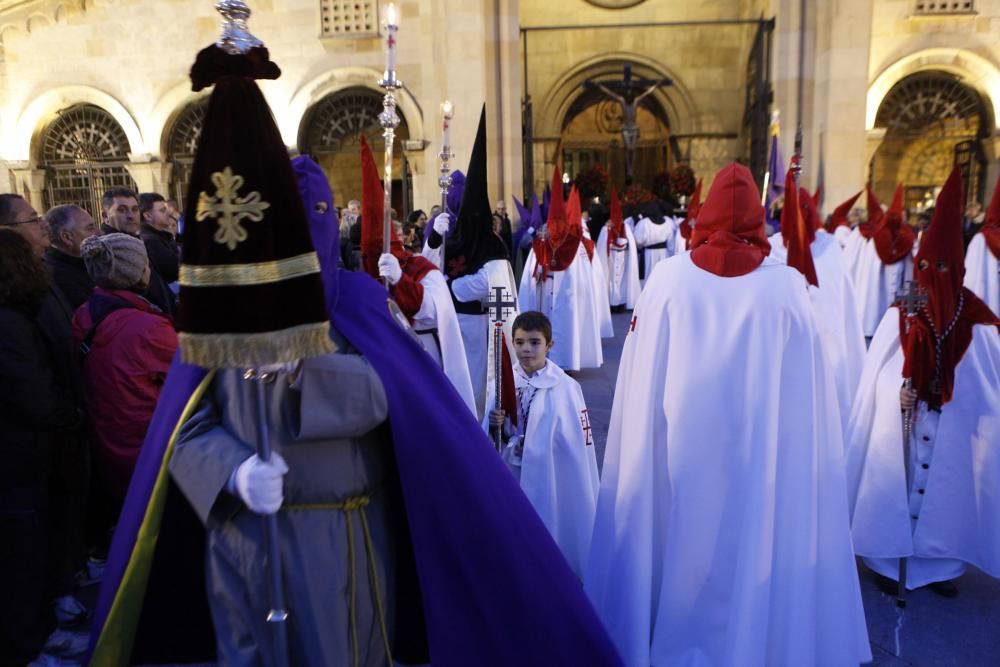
(182, 145)
(84, 151)
(939, 7)
(349, 18)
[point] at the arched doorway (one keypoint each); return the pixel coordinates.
(932, 121)
(83, 152)
(182, 145)
(329, 134)
(592, 134)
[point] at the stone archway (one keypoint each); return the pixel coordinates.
(83, 152)
(931, 120)
(329, 134)
(181, 146)
(576, 125)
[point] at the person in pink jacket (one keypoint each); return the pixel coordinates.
(126, 345)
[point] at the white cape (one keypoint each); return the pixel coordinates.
(836, 313)
(438, 312)
(602, 305)
(722, 534)
(842, 233)
(853, 246)
(558, 469)
(648, 233)
(982, 273)
(959, 513)
(476, 331)
(568, 302)
(621, 266)
(876, 285)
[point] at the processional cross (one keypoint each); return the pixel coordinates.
(499, 306)
(628, 93)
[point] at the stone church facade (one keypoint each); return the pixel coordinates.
(95, 92)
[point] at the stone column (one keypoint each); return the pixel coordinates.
(28, 182)
(149, 174)
(841, 87)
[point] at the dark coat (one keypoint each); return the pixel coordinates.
(163, 251)
(70, 275)
(32, 412)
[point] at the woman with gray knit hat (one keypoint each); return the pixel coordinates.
(126, 344)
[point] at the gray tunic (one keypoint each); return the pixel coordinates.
(335, 524)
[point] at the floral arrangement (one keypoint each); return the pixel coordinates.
(682, 179)
(592, 182)
(636, 194)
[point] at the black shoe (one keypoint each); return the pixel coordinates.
(946, 588)
(888, 586)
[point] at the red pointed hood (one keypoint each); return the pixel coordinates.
(991, 225)
(574, 215)
(893, 237)
(372, 211)
(558, 250)
(839, 216)
(875, 214)
(692, 214)
(729, 239)
(617, 229)
(951, 310)
(796, 230)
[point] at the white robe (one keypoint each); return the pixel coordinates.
(558, 468)
(842, 234)
(853, 246)
(568, 302)
(836, 312)
(602, 306)
(437, 311)
(648, 233)
(477, 333)
(434, 255)
(982, 273)
(621, 265)
(722, 534)
(877, 284)
(958, 515)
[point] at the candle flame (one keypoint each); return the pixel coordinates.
(391, 16)
(447, 109)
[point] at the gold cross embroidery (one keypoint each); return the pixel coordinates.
(229, 208)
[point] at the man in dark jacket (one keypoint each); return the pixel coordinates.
(155, 224)
(69, 225)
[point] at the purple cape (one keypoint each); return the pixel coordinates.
(496, 589)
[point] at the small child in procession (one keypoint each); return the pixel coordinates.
(550, 450)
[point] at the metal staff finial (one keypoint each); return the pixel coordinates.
(236, 38)
(389, 119)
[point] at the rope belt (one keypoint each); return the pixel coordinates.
(356, 504)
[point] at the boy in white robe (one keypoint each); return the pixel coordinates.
(550, 446)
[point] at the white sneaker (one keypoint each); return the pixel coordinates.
(70, 612)
(66, 643)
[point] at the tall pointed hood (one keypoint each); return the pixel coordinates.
(839, 216)
(574, 215)
(892, 236)
(372, 211)
(795, 230)
(991, 225)
(473, 242)
(810, 213)
(875, 214)
(246, 240)
(692, 214)
(951, 310)
(617, 229)
(728, 239)
(558, 249)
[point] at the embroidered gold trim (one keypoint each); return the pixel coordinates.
(257, 273)
(229, 209)
(249, 350)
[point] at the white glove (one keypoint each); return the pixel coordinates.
(259, 484)
(441, 223)
(388, 268)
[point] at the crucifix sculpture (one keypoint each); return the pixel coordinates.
(628, 92)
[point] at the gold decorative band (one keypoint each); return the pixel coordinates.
(258, 273)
